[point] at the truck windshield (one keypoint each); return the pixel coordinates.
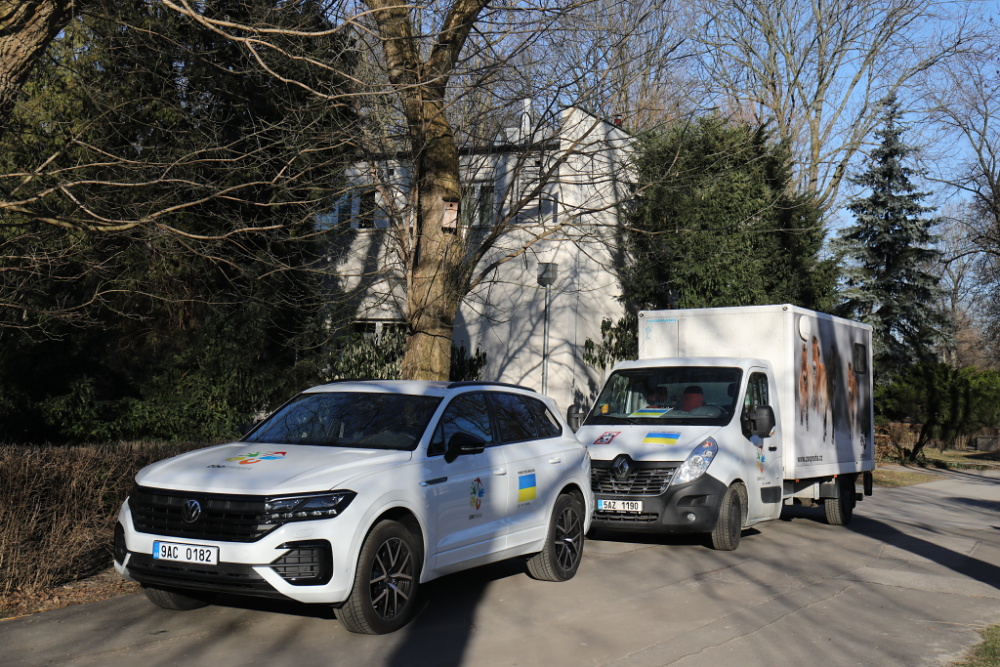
(668, 395)
(349, 419)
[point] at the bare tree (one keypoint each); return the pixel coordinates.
(444, 80)
(26, 29)
(965, 294)
(815, 68)
(140, 137)
(965, 102)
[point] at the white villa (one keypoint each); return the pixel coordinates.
(558, 195)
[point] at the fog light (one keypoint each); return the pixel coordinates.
(690, 516)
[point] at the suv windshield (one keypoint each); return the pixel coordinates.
(668, 395)
(349, 419)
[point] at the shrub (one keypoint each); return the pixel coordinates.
(61, 506)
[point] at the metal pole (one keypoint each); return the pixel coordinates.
(545, 342)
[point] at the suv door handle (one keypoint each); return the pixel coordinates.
(436, 480)
(499, 471)
(555, 459)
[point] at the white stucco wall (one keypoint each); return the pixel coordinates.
(505, 315)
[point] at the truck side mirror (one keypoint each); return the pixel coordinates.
(762, 421)
(759, 421)
(462, 444)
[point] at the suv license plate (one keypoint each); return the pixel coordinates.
(186, 553)
(620, 505)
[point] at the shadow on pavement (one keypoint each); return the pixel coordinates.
(981, 571)
(968, 566)
(441, 632)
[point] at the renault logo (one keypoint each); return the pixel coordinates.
(192, 511)
(620, 467)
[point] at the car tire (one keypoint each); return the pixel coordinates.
(169, 598)
(383, 598)
(840, 510)
(560, 558)
(729, 527)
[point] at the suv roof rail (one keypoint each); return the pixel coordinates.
(478, 383)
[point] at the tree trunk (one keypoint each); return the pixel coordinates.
(925, 430)
(26, 28)
(436, 276)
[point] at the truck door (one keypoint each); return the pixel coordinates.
(763, 454)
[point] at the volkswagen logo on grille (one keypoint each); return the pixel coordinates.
(192, 511)
(621, 466)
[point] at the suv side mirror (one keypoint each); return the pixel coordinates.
(462, 444)
(759, 422)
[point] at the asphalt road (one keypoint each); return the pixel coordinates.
(909, 582)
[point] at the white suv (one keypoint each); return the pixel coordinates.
(354, 493)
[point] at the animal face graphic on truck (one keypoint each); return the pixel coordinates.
(829, 403)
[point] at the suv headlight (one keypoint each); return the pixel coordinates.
(697, 462)
(306, 508)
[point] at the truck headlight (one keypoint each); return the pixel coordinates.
(306, 508)
(697, 462)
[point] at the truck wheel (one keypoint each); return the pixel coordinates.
(839, 511)
(168, 598)
(560, 558)
(385, 585)
(729, 527)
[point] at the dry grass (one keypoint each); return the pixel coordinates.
(960, 458)
(889, 478)
(986, 654)
(60, 506)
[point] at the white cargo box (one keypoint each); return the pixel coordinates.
(823, 374)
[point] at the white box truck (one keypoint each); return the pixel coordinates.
(727, 415)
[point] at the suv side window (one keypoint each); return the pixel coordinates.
(521, 418)
(466, 413)
(547, 426)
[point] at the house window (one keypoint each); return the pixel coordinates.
(478, 204)
(549, 213)
(344, 209)
(379, 330)
(366, 209)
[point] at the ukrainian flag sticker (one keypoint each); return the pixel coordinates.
(661, 438)
(526, 488)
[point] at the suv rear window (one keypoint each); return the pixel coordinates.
(523, 418)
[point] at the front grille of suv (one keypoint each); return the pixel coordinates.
(223, 517)
(224, 577)
(640, 481)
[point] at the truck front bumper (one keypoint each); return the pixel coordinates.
(685, 508)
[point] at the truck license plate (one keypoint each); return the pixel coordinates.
(186, 553)
(620, 505)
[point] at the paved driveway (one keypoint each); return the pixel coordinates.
(908, 583)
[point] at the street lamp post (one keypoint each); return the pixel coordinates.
(547, 274)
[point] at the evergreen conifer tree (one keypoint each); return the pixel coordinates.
(715, 223)
(889, 254)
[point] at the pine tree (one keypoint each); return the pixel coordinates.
(715, 223)
(198, 326)
(889, 254)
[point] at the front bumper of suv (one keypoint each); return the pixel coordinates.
(306, 561)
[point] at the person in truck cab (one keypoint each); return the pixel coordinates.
(657, 398)
(694, 397)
